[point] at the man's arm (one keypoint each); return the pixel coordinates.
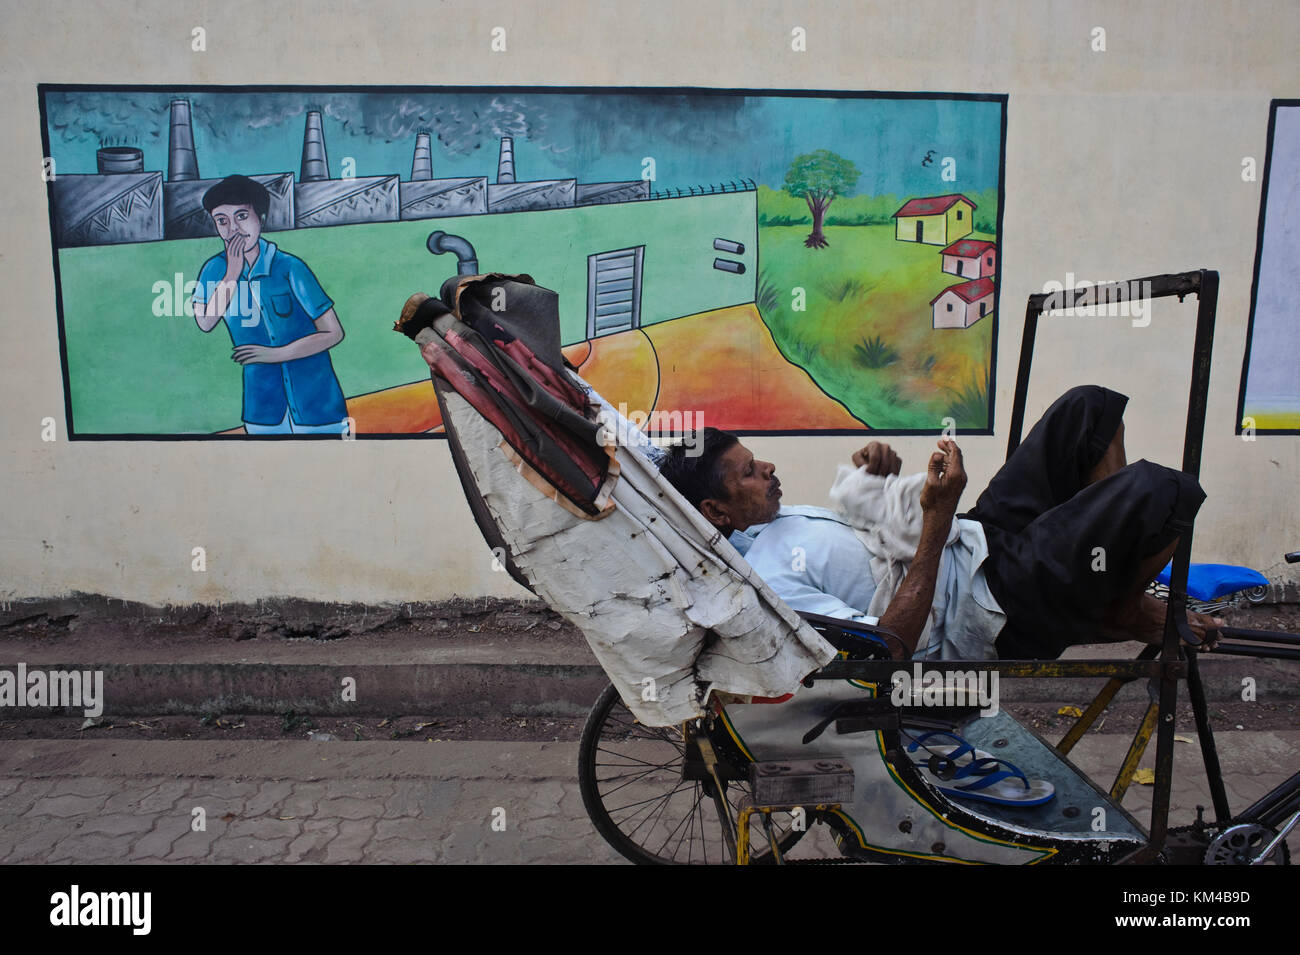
(910, 607)
(328, 334)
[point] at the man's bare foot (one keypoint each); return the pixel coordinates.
(1145, 621)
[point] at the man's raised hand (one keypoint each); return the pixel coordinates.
(878, 458)
(945, 479)
(236, 246)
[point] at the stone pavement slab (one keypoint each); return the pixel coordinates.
(84, 801)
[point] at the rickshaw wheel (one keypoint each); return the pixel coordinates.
(631, 778)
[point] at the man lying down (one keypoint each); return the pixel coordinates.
(1057, 551)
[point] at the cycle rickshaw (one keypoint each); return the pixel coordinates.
(699, 751)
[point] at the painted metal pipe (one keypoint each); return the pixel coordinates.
(467, 259)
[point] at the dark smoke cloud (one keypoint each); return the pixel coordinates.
(460, 122)
(107, 118)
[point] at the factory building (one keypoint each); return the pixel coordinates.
(124, 203)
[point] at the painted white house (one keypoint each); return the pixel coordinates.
(970, 258)
(961, 306)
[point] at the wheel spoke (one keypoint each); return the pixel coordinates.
(659, 806)
(640, 802)
(688, 818)
(631, 759)
(608, 792)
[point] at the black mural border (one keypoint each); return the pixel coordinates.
(43, 89)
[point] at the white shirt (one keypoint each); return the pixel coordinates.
(821, 561)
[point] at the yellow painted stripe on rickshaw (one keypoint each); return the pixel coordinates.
(735, 736)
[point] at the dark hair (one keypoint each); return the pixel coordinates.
(238, 191)
(694, 467)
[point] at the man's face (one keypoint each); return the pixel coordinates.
(231, 220)
(753, 491)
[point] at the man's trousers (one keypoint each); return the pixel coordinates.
(1062, 551)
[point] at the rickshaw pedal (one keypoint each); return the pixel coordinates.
(871, 714)
(862, 724)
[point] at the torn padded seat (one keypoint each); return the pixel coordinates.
(517, 379)
(669, 608)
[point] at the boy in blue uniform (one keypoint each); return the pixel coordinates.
(280, 320)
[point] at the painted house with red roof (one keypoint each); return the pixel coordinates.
(961, 306)
(935, 220)
(971, 258)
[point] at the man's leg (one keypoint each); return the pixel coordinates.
(1114, 458)
(334, 427)
(1137, 615)
(1078, 440)
(282, 428)
(1073, 574)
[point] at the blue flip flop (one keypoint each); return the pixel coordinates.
(988, 784)
(959, 755)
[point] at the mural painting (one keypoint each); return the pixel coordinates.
(1270, 378)
(762, 262)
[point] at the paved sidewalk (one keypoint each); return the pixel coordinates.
(264, 801)
(401, 802)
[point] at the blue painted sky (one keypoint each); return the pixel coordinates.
(594, 137)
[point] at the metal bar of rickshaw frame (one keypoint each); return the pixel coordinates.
(710, 758)
(1098, 705)
(1176, 617)
(1180, 284)
(1135, 750)
(1265, 852)
(1205, 284)
(882, 671)
(1209, 753)
(1245, 650)
(1276, 805)
(1261, 636)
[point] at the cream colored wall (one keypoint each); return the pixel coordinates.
(1119, 164)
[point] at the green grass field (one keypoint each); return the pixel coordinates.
(865, 335)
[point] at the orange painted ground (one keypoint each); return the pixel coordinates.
(621, 367)
(721, 364)
(725, 365)
(406, 409)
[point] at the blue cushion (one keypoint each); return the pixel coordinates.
(1212, 581)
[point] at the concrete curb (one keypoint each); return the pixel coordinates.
(466, 689)
(484, 658)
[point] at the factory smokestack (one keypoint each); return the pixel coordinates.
(422, 164)
(506, 163)
(182, 161)
(315, 164)
(117, 159)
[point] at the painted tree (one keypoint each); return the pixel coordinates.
(818, 178)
